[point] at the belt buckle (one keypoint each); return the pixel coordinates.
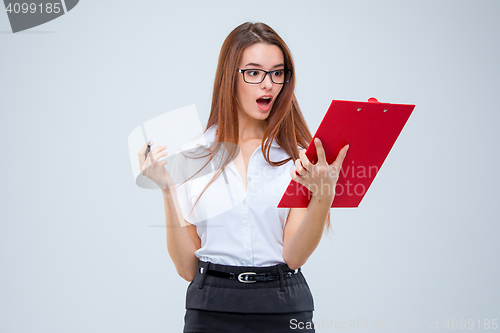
(242, 277)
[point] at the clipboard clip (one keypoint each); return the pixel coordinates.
(373, 100)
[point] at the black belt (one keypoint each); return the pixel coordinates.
(249, 277)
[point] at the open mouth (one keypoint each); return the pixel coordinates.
(264, 102)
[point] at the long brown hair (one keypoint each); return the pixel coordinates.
(285, 123)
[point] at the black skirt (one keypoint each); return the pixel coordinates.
(215, 304)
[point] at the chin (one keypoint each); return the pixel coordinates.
(262, 116)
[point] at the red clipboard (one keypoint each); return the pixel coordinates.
(371, 129)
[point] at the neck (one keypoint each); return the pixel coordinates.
(250, 129)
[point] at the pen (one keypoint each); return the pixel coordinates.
(148, 149)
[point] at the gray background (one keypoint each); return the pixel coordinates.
(81, 246)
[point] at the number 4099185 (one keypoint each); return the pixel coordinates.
(33, 8)
(471, 324)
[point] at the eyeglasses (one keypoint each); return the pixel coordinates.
(256, 76)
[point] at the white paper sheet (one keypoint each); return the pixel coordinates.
(173, 129)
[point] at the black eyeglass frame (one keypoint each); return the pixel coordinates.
(286, 71)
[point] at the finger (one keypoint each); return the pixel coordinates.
(158, 149)
(306, 164)
(295, 176)
(148, 165)
(340, 158)
(140, 154)
(299, 169)
(157, 156)
(149, 162)
(142, 151)
(320, 151)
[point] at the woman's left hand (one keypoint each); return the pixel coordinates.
(319, 178)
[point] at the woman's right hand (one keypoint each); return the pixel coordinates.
(154, 169)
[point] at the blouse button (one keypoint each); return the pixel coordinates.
(244, 202)
(249, 254)
(249, 179)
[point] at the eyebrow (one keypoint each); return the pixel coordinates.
(258, 65)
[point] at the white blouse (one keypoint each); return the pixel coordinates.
(236, 226)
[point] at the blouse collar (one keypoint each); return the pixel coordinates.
(210, 134)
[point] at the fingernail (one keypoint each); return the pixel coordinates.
(316, 140)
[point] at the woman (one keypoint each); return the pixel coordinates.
(241, 253)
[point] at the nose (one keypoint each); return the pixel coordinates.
(267, 83)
